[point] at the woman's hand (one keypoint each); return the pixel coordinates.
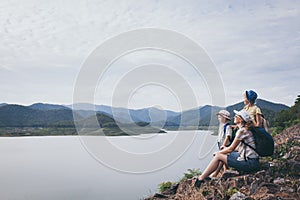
(225, 150)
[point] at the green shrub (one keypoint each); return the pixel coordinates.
(164, 186)
(231, 191)
(190, 174)
(205, 192)
(287, 118)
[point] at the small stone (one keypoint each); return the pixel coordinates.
(279, 181)
(161, 196)
(236, 182)
(287, 155)
(238, 196)
(214, 181)
(294, 167)
(249, 179)
(230, 173)
(290, 190)
(260, 174)
(295, 148)
(297, 157)
(254, 186)
(272, 188)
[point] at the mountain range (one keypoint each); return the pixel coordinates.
(45, 115)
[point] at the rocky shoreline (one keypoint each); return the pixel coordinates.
(279, 177)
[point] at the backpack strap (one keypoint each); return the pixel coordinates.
(251, 147)
(225, 127)
(248, 145)
(233, 133)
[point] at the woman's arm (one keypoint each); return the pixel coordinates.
(258, 120)
(232, 147)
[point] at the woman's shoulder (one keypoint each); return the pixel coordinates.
(242, 129)
(242, 133)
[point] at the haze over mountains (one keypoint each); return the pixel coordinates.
(45, 115)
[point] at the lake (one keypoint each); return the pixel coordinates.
(97, 167)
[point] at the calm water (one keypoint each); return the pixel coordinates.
(74, 167)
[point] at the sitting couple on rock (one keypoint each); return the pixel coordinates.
(237, 154)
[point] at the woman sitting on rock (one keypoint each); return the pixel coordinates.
(238, 155)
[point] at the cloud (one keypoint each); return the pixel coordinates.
(258, 40)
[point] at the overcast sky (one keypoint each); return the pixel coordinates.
(253, 44)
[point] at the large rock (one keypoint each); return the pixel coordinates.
(279, 179)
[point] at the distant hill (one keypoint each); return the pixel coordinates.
(151, 114)
(53, 117)
(276, 107)
(41, 114)
(202, 116)
(22, 116)
(43, 106)
(207, 114)
(2, 104)
(108, 126)
(124, 115)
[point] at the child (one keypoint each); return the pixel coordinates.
(249, 100)
(225, 130)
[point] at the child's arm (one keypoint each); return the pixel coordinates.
(225, 142)
(228, 132)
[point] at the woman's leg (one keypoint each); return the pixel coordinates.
(217, 171)
(213, 165)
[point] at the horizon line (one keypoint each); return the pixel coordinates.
(71, 105)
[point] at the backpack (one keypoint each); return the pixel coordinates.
(264, 142)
